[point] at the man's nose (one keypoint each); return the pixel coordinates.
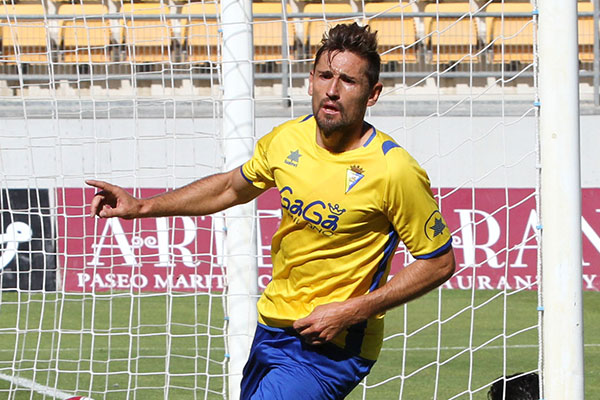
(333, 88)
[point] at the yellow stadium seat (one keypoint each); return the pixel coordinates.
(201, 34)
(25, 40)
(146, 40)
(511, 36)
(451, 39)
(586, 32)
(397, 37)
(85, 40)
(316, 27)
(268, 32)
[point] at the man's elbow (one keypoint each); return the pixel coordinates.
(447, 266)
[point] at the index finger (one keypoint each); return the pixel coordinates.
(99, 184)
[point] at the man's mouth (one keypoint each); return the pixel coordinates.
(330, 108)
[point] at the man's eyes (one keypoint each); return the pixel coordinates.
(328, 75)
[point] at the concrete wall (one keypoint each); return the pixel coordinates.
(457, 151)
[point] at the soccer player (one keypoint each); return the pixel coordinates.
(349, 194)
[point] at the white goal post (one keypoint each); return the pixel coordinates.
(560, 202)
(151, 95)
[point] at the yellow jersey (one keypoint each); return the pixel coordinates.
(343, 217)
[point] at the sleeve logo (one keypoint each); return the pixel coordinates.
(435, 225)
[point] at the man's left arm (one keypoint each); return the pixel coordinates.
(423, 275)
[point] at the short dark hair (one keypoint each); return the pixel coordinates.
(518, 387)
(356, 39)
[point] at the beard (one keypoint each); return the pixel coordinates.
(329, 124)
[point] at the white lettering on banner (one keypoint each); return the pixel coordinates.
(483, 282)
(113, 281)
(98, 282)
(82, 279)
(192, 281)
(123, 246)
(592, 236)
(459, 282)
(529, 233)
(589, 281)
(523, 281)
(162, 237)
(503, 282)
(217, 282)
(161, 242)
(165, 249)
(467, 239)
(140, 281)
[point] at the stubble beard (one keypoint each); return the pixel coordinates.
(328, 125)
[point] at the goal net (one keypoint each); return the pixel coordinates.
(146, 95)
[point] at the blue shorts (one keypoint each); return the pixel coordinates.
(282, 366)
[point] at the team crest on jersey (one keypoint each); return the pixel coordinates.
(435, 225)
(353, 175)
(293, 158)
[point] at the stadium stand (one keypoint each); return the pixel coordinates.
(315, 27)
(511, 37)
(146, 40)
(451, 39)
(138, 32)
(26, 40)
(85, 40)
(397, 36)
(268, 33)
(200, 32)
(586, 32)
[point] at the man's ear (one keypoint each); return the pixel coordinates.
(310, 82)
(374, 95)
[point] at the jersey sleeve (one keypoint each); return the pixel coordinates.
(258, 170)
(412, 209)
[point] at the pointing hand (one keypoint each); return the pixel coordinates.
(113, 201)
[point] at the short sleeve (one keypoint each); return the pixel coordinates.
(257, 170)
(412, 209)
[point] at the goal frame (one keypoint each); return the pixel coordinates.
(560, 202)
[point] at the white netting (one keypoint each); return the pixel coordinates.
(132, 93)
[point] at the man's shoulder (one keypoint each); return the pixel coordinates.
(389, 149)
(291, 128)
(304, 123)
(396, 163)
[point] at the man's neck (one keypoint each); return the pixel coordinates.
(341, 141)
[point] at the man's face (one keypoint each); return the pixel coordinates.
(340, 91)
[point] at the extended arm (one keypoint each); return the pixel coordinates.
(328, 320)
(204, 196)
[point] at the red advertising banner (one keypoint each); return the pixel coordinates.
(495, 234)
(153, 254)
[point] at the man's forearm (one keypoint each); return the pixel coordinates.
(411, 282)
(202, 197)
(328, 320)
